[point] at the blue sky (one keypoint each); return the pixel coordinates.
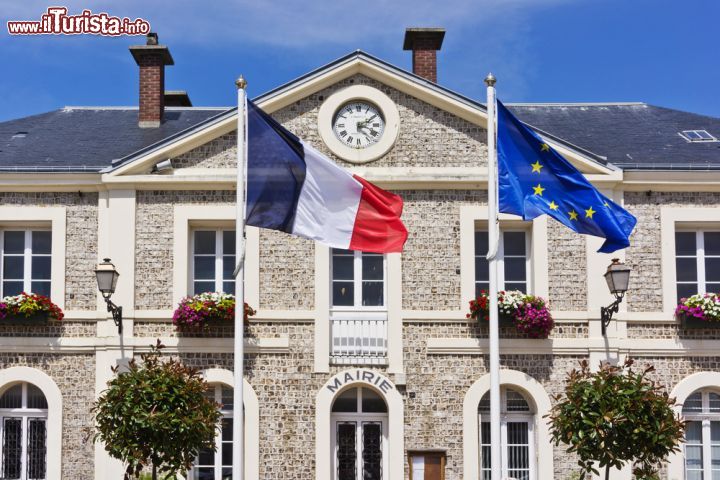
(657, 51)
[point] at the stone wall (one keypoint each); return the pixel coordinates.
(81, 247)
(71, 374)
(287, 272)
(567, 265)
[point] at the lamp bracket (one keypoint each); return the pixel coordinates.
(116, 313)
(606, 313)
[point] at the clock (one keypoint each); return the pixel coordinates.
(358, 123)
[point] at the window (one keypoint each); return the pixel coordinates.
(697, 262)
(23, 430)
(513, 264)
(26, 256)
(213, 261)
(697, 136)
(517, 437)
(701, 410)
(359, 423)
(427, 465)
(358, 279)
(217, 465)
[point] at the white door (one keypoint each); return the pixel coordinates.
(359, 447)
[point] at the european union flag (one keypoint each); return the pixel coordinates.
(534, 179)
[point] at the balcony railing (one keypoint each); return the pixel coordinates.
(358, 341)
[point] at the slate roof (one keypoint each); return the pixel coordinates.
(632, 136)
(86, 139)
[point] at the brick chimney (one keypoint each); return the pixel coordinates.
(424, 43)
(151, 58)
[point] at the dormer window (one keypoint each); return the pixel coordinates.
(697, 136)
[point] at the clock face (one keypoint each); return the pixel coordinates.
(358, 124)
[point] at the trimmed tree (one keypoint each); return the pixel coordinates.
(156, 415)
(616, 416)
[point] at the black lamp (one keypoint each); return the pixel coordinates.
(617, 277)
(107, 278)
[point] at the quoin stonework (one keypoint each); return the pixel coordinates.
(357, 366)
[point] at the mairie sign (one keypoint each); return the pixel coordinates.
(361, 375)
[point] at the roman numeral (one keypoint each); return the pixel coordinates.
(376, 125)
(341, 125)
(343, 133)
(358, 108)
(349, 110)
(349, 139)
(370, 119)
(341, 116)
(358, 141)
(373, 133)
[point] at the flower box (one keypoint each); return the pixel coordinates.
(38, 318)
(699, 311)
(527, 313)
(205, 310)
(29, 309)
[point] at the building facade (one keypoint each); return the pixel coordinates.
(357, 365)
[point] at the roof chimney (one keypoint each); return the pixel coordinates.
(151, 58)
(424, 43)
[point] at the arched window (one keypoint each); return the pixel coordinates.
(23, 430)
(217, 464)
(701, 410)
(359, 435)
(517, 420)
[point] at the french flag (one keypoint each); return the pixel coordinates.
(294, 188)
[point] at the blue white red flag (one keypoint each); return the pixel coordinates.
(294, 188)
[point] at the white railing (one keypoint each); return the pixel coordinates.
(358, 341)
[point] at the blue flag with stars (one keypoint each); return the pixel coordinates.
(533, 179)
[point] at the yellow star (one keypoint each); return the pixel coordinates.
(589, 213)
(553, 206)
(538, 189)
(544, 147)
(536, 166)
(606, 204)
(573, 215)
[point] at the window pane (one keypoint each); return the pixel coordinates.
(712, 243)
(686, 290)
(514, 269)
(522, 286)
(12, 288)
(343, 294)
(693, 432)
(226, 398)
(204, 268)
(693, 403)
(205, 242)
(228, 242)
(229, 287)
(12, 398)
(342, 267)
(346, 451)
(372, 402)
(14, 242)
(13, 268)
(227, 429)
(205, 473)
(514, 243)
(41, 288)
(685, 243)
(372, 294)
(36, 448)
(226, 453)
(712, 287)
(482, 270)
(480, 286)
(228, 267)
(202, 287)
(714, 401)
(35, 397)
(484, 405)
(41, 242)
(206, 456)
(712, 269)
(372, 267)
(481, 243)
(372, 451)
(516, 402)
(686, 269)
(12, 448)
(41, 268)
(346, 401)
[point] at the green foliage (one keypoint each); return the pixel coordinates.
(615, 416)
(156, 415)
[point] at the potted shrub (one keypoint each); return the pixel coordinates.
(699, 311)
(29, 309)
(529, 314)
(207, 309)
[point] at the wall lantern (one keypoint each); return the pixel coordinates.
(617, 278)
(107, 278)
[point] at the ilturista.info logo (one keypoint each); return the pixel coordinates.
(56, 21)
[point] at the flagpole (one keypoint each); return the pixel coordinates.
(493, 238)
(238, 471)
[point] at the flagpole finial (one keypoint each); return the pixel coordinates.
(241, 82)
(490, 80)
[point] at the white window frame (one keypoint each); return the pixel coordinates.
(510, 417)
(224, 414)
(699, 257)
(501, 256)
(219, 255)
(358, 417)
(25, 414)
(27, 257)
(705, 417)
(358, 311)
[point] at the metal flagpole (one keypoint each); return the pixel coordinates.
(493, 239)
(238, 471)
